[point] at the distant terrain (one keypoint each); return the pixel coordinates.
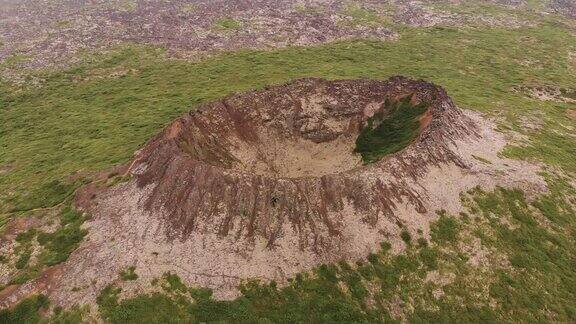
(287, 161)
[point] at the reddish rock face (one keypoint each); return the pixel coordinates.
(252, 164)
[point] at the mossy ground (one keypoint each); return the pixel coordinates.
(89, 118)
(53, 247)
(388, 133)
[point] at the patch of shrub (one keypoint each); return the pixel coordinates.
(26, 237)
(422, 242)
(405, 235)
(73, 315)
(358, 16)
(173, 282)
(389, 133)
(227, 23)
(385, 247)
(355, 285)
(543, 256)
(59, 244)
(22, 262)
(373, 258)
(448, 313)
(26, 311)
(154, 308)
(444, 230)
(306, 299)
(129, 274)
(429, 258)
(27, 274)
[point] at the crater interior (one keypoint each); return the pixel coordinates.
(309, 134)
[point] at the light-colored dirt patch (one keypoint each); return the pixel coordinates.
(18, 225)
(548, 93)
(297, 157)
(571, 113)
(440, 278)
(572, 60)
(106, 73)
(481, 256)
(5, 168)
(397, 308)
(533, 123)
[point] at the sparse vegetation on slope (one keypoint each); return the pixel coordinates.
(500, 279)
(490, 265)
(25, 312)
(28, 311)
(54, 247)
(227, 24)
(60, 243)
(129, 274)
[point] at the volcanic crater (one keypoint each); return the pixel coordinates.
(268, 183)
(309, 129)
(252, 163)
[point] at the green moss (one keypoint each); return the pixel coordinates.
(227, 24)
(391, 132)
(445, 230)
(22, 261)
(405, 236)
(59, 244)
(25, 312)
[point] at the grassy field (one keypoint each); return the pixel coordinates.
(95, 115)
